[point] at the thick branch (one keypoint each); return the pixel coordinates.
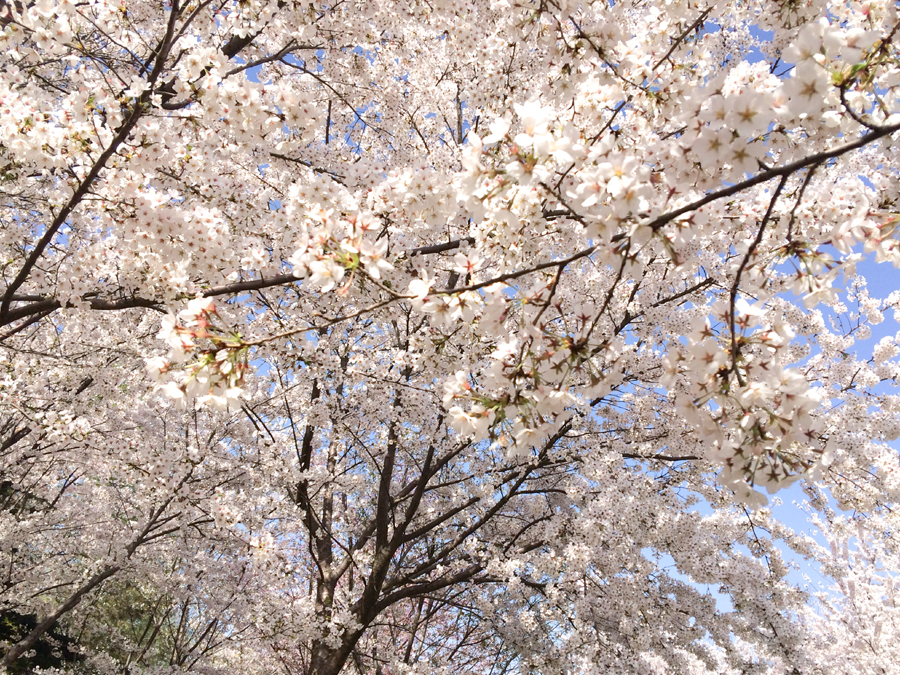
(31, 639)
(121, 135)
(51, 304)
(776, 172)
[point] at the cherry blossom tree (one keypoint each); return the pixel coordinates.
(446, 336)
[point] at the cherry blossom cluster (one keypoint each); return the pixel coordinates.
(210, 361)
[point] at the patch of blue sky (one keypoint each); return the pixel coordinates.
(369, 54)
(253, 73)
(667, 565)
(755, 54)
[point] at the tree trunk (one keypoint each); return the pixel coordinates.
(327, 661)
